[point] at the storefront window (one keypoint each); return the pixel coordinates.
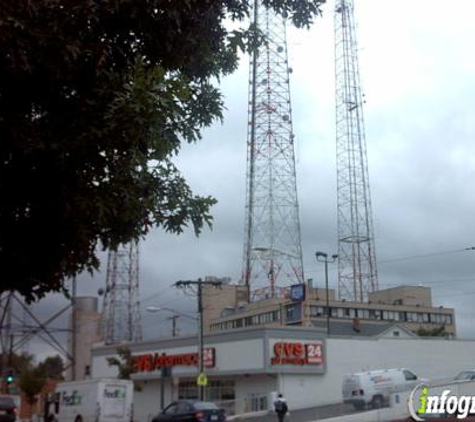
(223, 392)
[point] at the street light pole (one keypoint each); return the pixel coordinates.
(324, 259)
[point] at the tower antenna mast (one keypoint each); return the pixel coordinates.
(272, 246)
(357, 273)
(121, 314)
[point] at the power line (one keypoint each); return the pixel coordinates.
(431, 282)
(428, 255)
(410, 257)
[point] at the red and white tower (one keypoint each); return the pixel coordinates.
(272, 249)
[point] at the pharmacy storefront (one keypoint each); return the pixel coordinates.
(242, 369)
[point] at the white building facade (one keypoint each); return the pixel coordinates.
(245, 367)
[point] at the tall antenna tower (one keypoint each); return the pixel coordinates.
(121, 313)
(357, 274)
(272, 247)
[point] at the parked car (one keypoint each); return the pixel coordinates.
(7, 409)
(191, 411)
(373, 388)
(465, 376)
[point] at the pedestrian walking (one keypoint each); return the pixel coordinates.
(281, 408)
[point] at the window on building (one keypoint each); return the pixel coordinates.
(289, 312)
(217, 390)
(436, 319)
(187, 390)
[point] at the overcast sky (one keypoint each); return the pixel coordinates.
(418, 74)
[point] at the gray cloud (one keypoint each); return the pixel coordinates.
(417, 70)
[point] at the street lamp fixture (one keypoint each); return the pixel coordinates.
(323, 257)
(155, 309)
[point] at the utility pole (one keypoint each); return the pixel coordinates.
(199, 284)
(74, 329)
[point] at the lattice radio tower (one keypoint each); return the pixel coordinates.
(272, 247)
(357, 274)
(121, 320)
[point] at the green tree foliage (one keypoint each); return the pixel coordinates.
(52, 367)
(96, 99)
(31, 382)
(433, 332)
(31, 378)
(124, 362)
(17, 362)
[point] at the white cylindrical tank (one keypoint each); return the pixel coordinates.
(83, 334)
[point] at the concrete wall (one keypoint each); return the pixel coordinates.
(431, 358)
(403, 295)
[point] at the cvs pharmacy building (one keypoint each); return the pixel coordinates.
(243, 368)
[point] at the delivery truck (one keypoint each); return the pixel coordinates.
(373, 388)
(95, 400)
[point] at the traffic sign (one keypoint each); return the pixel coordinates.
(202, 380)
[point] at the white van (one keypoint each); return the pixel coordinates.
(95, 400)
(373, 388)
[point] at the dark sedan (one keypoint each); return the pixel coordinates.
(7, 409)
(192, 411)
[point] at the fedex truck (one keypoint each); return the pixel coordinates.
(95, 400)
